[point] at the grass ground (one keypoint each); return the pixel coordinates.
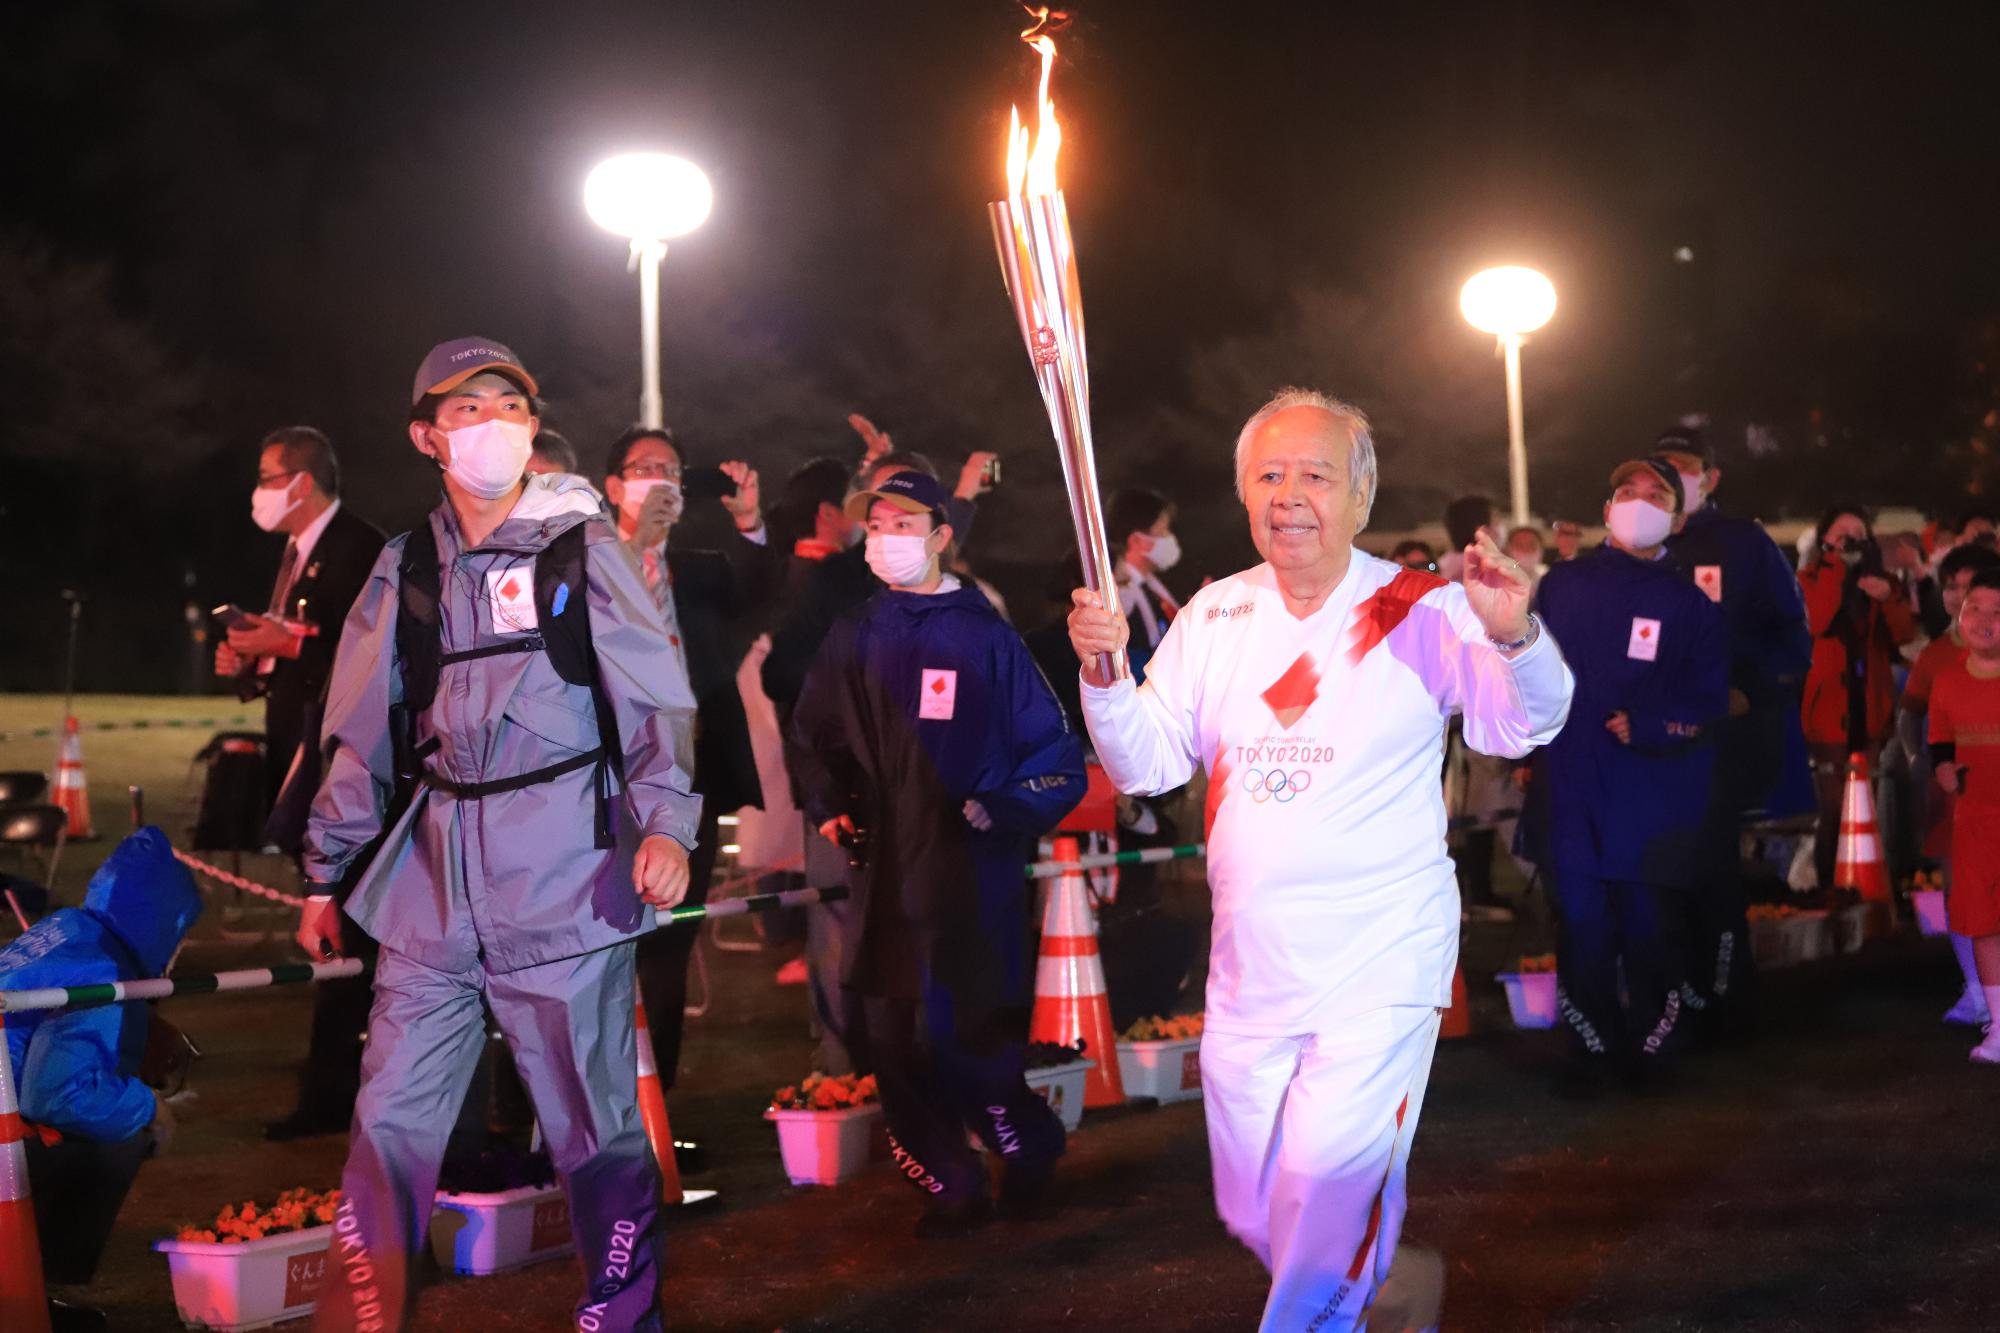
(1837, 1174)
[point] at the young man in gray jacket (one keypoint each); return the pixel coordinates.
(506, 802)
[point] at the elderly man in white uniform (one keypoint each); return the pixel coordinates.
(1315, 689)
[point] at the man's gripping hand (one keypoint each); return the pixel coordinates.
(319, 930)
(660, 872)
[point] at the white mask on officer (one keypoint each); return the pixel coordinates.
(270, 504)
(1639, 524)
(489, 458)
(1164, 553)
(899, 559)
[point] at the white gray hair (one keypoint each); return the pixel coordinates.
(1360, 444)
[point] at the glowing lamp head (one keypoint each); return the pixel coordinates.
(647, 196)
(1508, 301)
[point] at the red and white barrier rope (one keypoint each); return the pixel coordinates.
(222, 876)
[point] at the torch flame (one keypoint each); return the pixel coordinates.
(1032, 170)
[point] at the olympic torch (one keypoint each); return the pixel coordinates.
(1038, 265)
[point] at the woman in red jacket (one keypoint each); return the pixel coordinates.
(1857, 624)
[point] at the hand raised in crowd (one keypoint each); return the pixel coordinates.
(228, 662)
(1877, 587)
(972, 482)
(975, 815)
(1094, 631)
(658, 512)
(746, 507)
(263, 636)
(875, 443)
(1619, 724)
(319, 930)
(1497, 588)
(1950, 779)
(660, 871)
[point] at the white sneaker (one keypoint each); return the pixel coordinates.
(1970, 1010)
(1987, 1052)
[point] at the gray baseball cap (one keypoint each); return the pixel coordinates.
(451, 364)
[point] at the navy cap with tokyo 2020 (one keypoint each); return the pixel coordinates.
(451, 364)
(1660, 468)
(910, 491)
(1690, 440)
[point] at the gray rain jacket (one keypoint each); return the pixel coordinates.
(513, 879)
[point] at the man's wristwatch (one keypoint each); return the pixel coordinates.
(1534, 632)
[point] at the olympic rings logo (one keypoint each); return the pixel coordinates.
(1275, 785)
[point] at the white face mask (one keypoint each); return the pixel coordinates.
(1638, 525)
(635, 491)
(1691, 487)
(899, 559)
(270, 504)
(1165, 552)
(489, 458)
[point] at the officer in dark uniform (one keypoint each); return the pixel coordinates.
(1760, 748)
(1628, 778)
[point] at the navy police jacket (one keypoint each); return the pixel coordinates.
(916, 704)
(1642, 641)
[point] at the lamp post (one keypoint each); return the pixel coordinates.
(650, 199)
(1510, 302)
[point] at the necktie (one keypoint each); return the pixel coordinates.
(283, 587)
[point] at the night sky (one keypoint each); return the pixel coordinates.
(223, 217)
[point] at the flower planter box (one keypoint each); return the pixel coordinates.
(1166, 1071)
(249, 1285)
(1767, 944)
(1857, 924)
(478, 1234)
(1061, 1086)
(1531, 998)
(1807, 937)
(1929, 904)
(826, 1147)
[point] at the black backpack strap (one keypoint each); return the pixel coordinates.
(419, 656)
(562, 606)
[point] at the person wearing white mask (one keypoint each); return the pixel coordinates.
(929, 744)
(506, 804)
(287, 656)
(1621, 797)
(705, 596)
(1139, 523)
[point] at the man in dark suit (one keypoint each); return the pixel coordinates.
(708, 599)
(286, 655)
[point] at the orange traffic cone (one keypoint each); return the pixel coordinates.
(1859, 864)
(71, 794)
(1069, 984)
(653, 1111)
(24, 1303)
(1457, 1021)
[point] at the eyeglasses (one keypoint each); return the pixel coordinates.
(656, 471)
(273, 478)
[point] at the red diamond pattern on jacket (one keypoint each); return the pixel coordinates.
(1378, 617)
(937, 685)
(511, 588)
(1292, 693)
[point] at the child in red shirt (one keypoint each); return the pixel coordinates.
(1947, 650)
(1965, 753)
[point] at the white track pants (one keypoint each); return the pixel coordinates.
(1310, 1141)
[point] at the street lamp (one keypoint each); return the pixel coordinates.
(1510, 302)
(648, 198)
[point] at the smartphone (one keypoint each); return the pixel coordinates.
(231, 616)
(989, 475)
(706, 483)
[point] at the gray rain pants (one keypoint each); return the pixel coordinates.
(569, 1025)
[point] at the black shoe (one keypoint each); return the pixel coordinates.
(67, 1318)
(946, 1218)
(301, 1125)
(690, 1158)
(1025, 1191)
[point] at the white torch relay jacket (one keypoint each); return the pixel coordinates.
(1324, 744)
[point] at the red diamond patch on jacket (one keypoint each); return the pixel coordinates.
(1292, 693)
(510, 589)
